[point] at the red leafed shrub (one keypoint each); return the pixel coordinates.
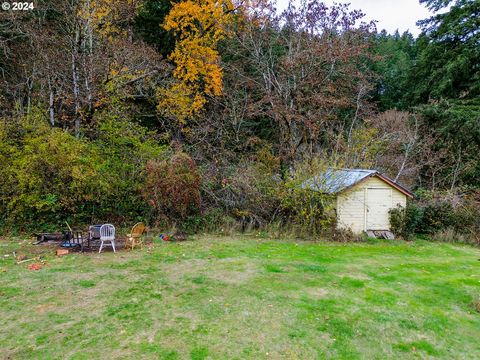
(172, 187)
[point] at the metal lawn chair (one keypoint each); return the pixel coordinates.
(107, 234)
(74, 239)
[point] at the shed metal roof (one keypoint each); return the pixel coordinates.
(333, 181)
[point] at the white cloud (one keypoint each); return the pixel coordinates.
(390, 14)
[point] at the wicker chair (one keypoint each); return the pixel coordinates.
(135, 236)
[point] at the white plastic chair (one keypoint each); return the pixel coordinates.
(107, 234)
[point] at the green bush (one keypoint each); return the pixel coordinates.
(467, 215)
(52, 176)
(437, 215)
(125, 148)
(405, 222)
(49, 176)
(309, 211)
(256, 196)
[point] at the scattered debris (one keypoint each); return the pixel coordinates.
(25, 260)
(61, 252)
(179, 236)
(164, 237)
(19, 257)
(381, 234)
(35, 266)
(46, 237)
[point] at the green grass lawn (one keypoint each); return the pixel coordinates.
(244, 297)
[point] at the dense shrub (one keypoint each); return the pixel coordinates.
(213, 220)
(344, 235)
(49, 176)
(172, 187)
(446, 217)
(309, 211)
(119, 172)
(125, 147)
(256, 195)
(245, 192)
(437, 215)
(467, 217)
(405, 221)
(465, 224)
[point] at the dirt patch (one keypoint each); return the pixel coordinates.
(317, 293)
(41, 309)
(313, 292)
(230, 271)
(238, 275)
(177, 270)
(356, 276)
(355, 272)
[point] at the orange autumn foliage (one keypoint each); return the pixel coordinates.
(198, 25)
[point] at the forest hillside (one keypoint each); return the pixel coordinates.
(208, 114)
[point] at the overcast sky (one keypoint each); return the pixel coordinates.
(390, 14)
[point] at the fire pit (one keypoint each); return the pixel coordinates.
(72, 238)
(44, 237)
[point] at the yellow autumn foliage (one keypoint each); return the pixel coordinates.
(198, 25)
(179, 101)
(106, 16)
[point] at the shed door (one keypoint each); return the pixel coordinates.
(379, 202)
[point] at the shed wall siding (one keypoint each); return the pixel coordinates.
(351, 203)
(351, 210)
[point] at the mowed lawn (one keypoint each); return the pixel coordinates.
(244, 297)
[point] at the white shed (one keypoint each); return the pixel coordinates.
(363, 197)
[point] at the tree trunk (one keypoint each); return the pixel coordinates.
(410, 146)
(29, 93)
(456, 170)
(76, 87)
(51, 102)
